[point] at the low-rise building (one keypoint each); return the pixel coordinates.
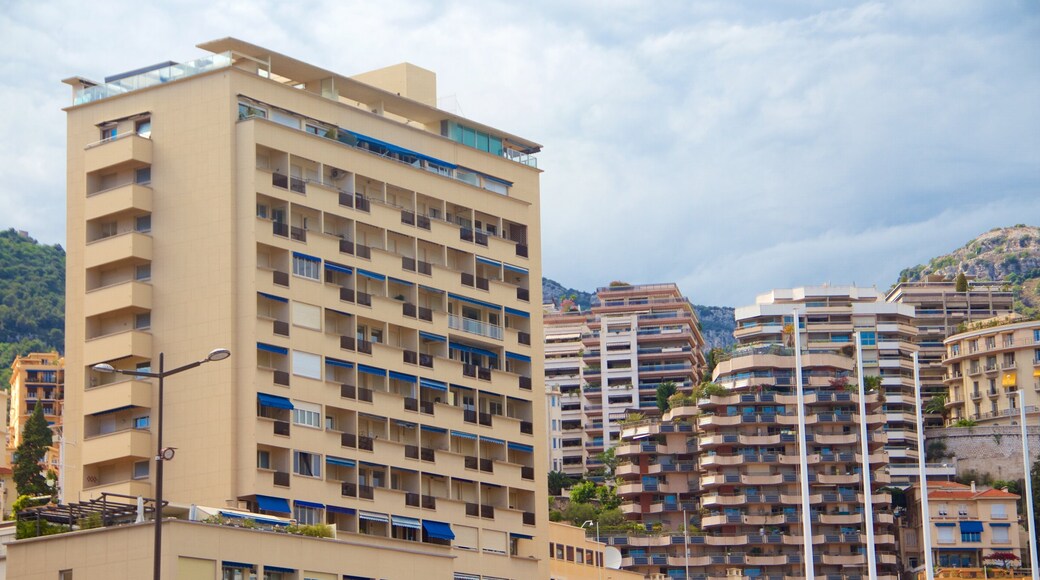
(967, 524)
(575, 556)
(988, 364)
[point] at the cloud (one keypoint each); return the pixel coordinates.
(730, 148)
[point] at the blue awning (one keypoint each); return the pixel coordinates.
(431, 289)
(374, 517)
(472, 349)
(338, 363)
(400, 150)
(971, 527)
(516, 269)
(515, 312)
(432, 384)
(432, 336)
(274, 401)
(519, 357)
(273, 504)
(945, 524)
(464, 388)
(305, 257)
(279, 569)
(521, 447)
(402, 377)
(271, 348)
(337, 268)
(404, 424)
(992, 525)
(309, 504)
(433, 429)
(371, 370)
(520, 536)
(492, 440)
(438, 530)
(487, 262)
(404, 522)
(255, 518)
(273, 297)
(463, 435)
(474, 302)
(371, 275)
(332, 460)
(105, 412)
(335, 509)
(230, 564)
(402, 282)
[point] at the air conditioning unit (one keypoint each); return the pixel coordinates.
(337, 173)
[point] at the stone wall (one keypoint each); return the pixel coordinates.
(994, 450)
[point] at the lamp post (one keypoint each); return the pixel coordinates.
(161, 454)
(589, 523)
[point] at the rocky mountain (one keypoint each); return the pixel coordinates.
(716, 321)
(1010, 254)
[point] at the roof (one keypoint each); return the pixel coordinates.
(302, 72)
(954, 490)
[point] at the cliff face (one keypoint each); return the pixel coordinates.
(1009, 254)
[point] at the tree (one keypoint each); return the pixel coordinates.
(579, 513)
(1003, 559)
(665, 390)
(608, 498)
(583, 492)
(935, 405)
(961, 283)
(1034, 473)
(557, 481)
(609, 460)
(36, 438)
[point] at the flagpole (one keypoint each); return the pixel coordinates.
(922, 476)
(803, 455)
(1034, 565)
(868, 497)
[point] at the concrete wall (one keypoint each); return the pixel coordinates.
(993, 450)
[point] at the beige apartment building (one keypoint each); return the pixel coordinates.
(640, 335)
(565, 386)
(575, 556)
(939, 310)
(371, 262)
(988, 365)
(37, 379)
(968, 523)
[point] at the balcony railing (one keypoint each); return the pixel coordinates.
(152, 78)
(474, 326)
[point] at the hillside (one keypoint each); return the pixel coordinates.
(1011, 254)
(32, 298)
(717, 322)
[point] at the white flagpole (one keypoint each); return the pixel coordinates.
(1034, 565)
(922, 476)
(864, 445)
(803, 455)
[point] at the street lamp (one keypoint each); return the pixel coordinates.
(589, 523)
(162, 454)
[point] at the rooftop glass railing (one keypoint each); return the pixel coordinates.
(153, 77)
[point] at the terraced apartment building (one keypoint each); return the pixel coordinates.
(567, 406)
(37, 379)
(370, 260)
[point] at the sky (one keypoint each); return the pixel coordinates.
(731, 147)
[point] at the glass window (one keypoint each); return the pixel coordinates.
(971, 537)
(307, 516)
(144, 127)
(263, 459)
(141, 469)
(307, 414)
(143, 320)
(143, 223)
(143, 175)
(307, 464)
(141, 422)
(143, 272)
(306, 266)
(469, 137)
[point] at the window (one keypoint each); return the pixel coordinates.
(143, 272)
(971, 536)
(65, 575)
(141, 422)
(141, 469)
(307, 464)
(942, 509)
(246, 111)
(1001, 534)
(144, 127)
(230, 571)
(143, 175)
(307, 516)
(998, 511)
(305, 364)
(263, 459)
(945, 534)
(307, 414)
(143, 223)
(306, 266)
(109, 132)
(306, 315)
(144, 367)
(143, 320)
(962, 510)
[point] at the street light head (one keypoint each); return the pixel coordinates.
(218, 354)
(104, 368)
(587, 523)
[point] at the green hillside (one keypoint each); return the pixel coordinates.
(32, 299)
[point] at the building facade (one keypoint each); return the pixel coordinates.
(575, 556)
(639, 337)
(939, 311)
(988, 365)
(568, 408)
(37, 379)
(370, 260)
(967, 525)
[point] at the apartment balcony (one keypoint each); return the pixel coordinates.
(837, 479)
(841, 519)
(764, 519)
(130, 245)
(848, 439)
(126, 444)
(762, 479)
(722, 500)
(717, 460)
(117, 395)
(128, 148)
(129, 294)
(844, 559)
(135, 343)
(129, 487)
(127, 197)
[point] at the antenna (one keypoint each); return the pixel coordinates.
(611, 558)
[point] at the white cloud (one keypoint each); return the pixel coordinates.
(729, 148)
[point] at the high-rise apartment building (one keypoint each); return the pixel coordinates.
(939, 310)
(37, 379)
(568, 411)
(988, 365)
(640, 336)
(372, 262)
